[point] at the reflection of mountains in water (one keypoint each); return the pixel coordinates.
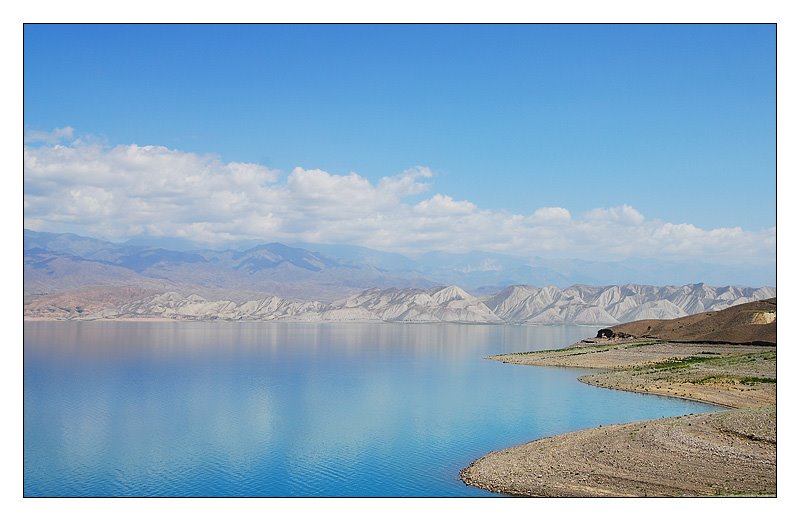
(579, 304)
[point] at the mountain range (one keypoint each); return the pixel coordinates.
(67, 276)
(56, 263)
(61, 262)
(578, 304)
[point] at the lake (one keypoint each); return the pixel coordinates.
(209, 409)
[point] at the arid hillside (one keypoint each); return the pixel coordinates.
(750, 323)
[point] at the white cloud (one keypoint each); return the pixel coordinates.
(116, 192)
(621, 214)
(444, 205)
(56, 135)
(552, 215)
(406, 183)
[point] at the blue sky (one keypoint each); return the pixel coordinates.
(591, 127)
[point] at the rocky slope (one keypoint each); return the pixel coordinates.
(581, 304)
(753, 322)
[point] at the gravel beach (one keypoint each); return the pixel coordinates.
(729, 453)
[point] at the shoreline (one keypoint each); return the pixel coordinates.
(658, 393)
(289, 321)
(726, 453)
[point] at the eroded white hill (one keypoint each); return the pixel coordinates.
(579, 304)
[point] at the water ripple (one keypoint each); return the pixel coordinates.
(341, 410)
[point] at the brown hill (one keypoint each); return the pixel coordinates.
(750, 323)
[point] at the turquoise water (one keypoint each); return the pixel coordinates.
(277, 409)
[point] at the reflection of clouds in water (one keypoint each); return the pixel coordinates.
(197, 408)
(239, 424)
(282, 409)
(85, 428)
(156, 431)
(334, 430)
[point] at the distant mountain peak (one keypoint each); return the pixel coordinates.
(449, 293)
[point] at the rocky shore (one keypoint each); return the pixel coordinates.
(729, 453)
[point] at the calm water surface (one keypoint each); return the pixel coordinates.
(278, 409)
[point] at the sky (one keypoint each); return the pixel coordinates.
(566, 141)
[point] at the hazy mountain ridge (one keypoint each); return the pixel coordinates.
(54, 263)
(71, 277)
(579, 304)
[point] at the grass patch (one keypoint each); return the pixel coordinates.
(588, 352)
(639, 344)
(569, 350)
(755, 493)
(715, 379)
(679, 363)
(743, 359)
(588, 349)
(752, 380)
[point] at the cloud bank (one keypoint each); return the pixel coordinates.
(127, 190)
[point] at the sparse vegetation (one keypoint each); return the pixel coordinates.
(591, 348)
(752, 380)
(639, 344)
(678, 363)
